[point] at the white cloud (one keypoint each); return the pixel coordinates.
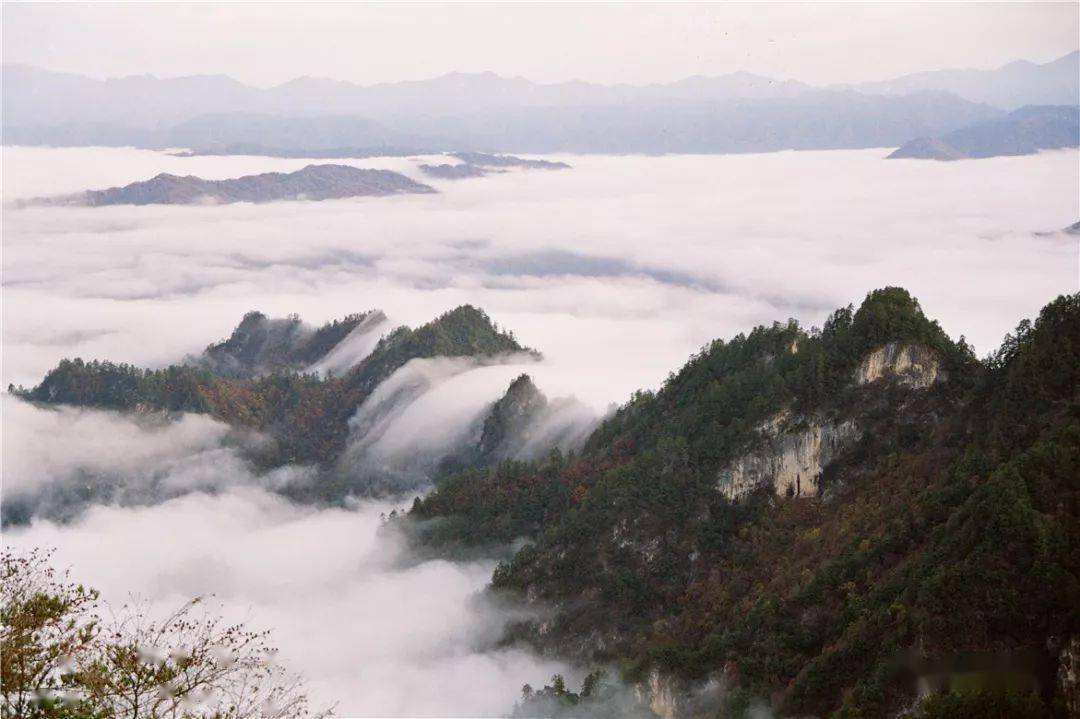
(367, 627)
(617, 270)
(64, 445)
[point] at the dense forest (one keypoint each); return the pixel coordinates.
(947, 532)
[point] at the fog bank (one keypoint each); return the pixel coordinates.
(616, 269)
(365, 624)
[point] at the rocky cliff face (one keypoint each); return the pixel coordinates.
(793, 454)
(1069, 676)
(669, 697)
(912, 365)
(795, 450)
(663, 695)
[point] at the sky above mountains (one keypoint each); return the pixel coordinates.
(266, 44)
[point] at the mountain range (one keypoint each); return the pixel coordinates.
(321, 397)
(731, 113)
(814, 523)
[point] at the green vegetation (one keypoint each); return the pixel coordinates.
(260, 345)
(306, 415)
(599, 698)
(951, 526)
(1001, 704)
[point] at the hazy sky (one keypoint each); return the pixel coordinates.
(265, 44)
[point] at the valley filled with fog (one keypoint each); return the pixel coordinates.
(616, 270)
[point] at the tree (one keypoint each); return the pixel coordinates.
(47, 624)
(60, 659)
(190, 662)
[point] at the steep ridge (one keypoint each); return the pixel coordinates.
(260, 345)
(251, 381)
(941, 519)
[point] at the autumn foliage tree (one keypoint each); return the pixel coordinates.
(60, 658)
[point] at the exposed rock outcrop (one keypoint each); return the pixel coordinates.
(793, 454)
(1069, 676)
(912, 365)
(663, 695)
(670, 697)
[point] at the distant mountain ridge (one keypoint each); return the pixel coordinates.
(1023, 132)
(33, 96)
(36, 96)
(1008, 87)
(739, 112)
(314, 182)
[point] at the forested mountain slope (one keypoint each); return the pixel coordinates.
(261, 378)
(942, 522)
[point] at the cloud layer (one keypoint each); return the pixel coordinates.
(367, 625)
(617, 270)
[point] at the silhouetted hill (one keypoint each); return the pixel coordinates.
(478, 164)
(1023, 132)
(314, 182)
(460, 171)
(483, 159)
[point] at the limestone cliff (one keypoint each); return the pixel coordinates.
(793, 453)
(1069, 676)
(663, 695)
(912, 365)
(670, 697)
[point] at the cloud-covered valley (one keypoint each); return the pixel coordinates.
(616, 271)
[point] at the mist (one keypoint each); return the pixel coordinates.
(401, 649)
(616, 270)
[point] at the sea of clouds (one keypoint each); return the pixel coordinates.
(617, 270)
